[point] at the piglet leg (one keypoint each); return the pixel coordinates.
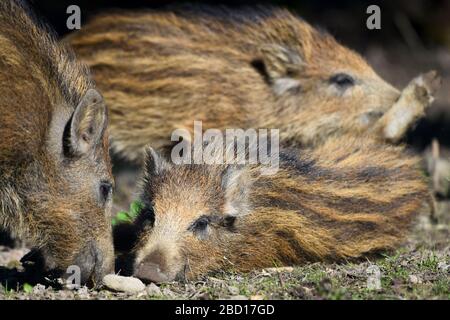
(411, 106)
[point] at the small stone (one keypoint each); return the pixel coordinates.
(167, 292)
(239, 297)
(39, 289)
(123, 284)
(83, 292)
(257, 297)
(443, 266)
(281, 269)
(233, 290)
(414, 279)
(153, 290)
(14, 264)
(67, 295)
(203, 296)
(301, 292)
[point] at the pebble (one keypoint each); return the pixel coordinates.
(443, 266)
(39, 289)
(13, 256)
(167, 292)
(233, 290)
(414, 279)
(123, 284)
(83, 292)
(153, 290)
(281, 269)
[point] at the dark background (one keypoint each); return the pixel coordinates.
(414, 38)
(344, 18)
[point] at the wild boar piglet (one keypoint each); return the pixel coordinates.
(55, 171)
(343, 200)
(229, 68)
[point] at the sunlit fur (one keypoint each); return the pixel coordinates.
(255, 67)
(46, 198)
(343, 200)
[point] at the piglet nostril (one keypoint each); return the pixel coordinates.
(150, 272)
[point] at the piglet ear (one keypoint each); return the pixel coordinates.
(280, 61)
(280, 65)
(153, 162)
(88, 124)
(237, 183)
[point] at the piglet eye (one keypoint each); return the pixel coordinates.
(200, 227)
(200, 224)
(342, 80)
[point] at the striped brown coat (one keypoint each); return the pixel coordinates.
(343, 200)
(53, 149)
(242, 68)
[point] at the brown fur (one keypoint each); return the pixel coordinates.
(259, 68)
(342, 200)
(53, 148)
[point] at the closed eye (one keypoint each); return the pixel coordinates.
(342, 81)
(200, 227)
(200, 224)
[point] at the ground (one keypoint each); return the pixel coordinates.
(418, 270)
